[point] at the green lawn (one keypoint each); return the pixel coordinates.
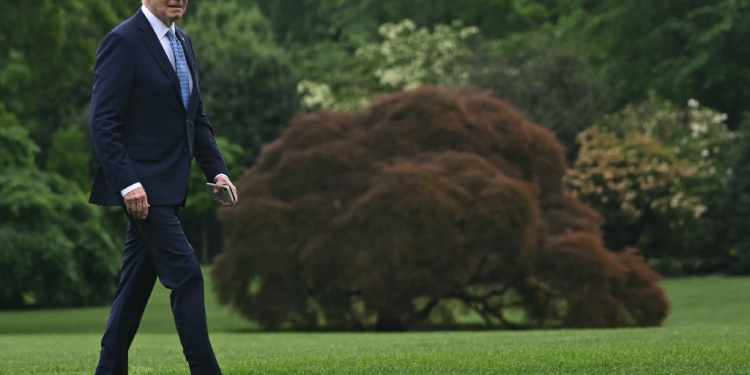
(707, 333)
(157, 318)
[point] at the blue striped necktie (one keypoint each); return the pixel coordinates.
(181, 67)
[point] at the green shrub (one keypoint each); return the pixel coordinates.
(659, 175)
(54, 251)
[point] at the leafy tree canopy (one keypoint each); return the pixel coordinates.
(47, 50)
(247, 87)
(682, 49)
(55, 252)
(390, 217)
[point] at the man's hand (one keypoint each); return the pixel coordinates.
(136, 203)
(221, 181)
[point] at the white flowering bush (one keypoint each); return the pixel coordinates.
(406, 58)
(695, 134)
(410, 57)
(659, 174)
(625, 177)
(315, 95)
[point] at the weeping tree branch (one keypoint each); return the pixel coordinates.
(422, 315)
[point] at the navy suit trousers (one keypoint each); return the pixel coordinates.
(157, 247)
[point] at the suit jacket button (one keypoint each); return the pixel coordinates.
(186, 150)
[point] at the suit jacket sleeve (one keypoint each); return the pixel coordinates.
(114, 73)
(207, 153)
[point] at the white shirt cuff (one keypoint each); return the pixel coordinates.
(130, 188)
(220, 174)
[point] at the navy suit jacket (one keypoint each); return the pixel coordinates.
(140, 127)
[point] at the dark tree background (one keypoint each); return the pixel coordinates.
(385, 218)
(562, 63)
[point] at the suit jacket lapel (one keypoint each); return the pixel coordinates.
(154, 46)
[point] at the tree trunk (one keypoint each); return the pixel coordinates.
(388, 324)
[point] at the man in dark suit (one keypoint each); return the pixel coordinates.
(147, 123)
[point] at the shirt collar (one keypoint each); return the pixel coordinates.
(159, 27)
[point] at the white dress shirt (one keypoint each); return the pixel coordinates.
(161, 32)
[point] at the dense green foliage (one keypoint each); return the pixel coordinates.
(17, 150)
(46, 58)
(246, 82)
(309, 21)
(548, 78)
(564, 64)
(70, 156)
(54, 250)
(682, 49)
